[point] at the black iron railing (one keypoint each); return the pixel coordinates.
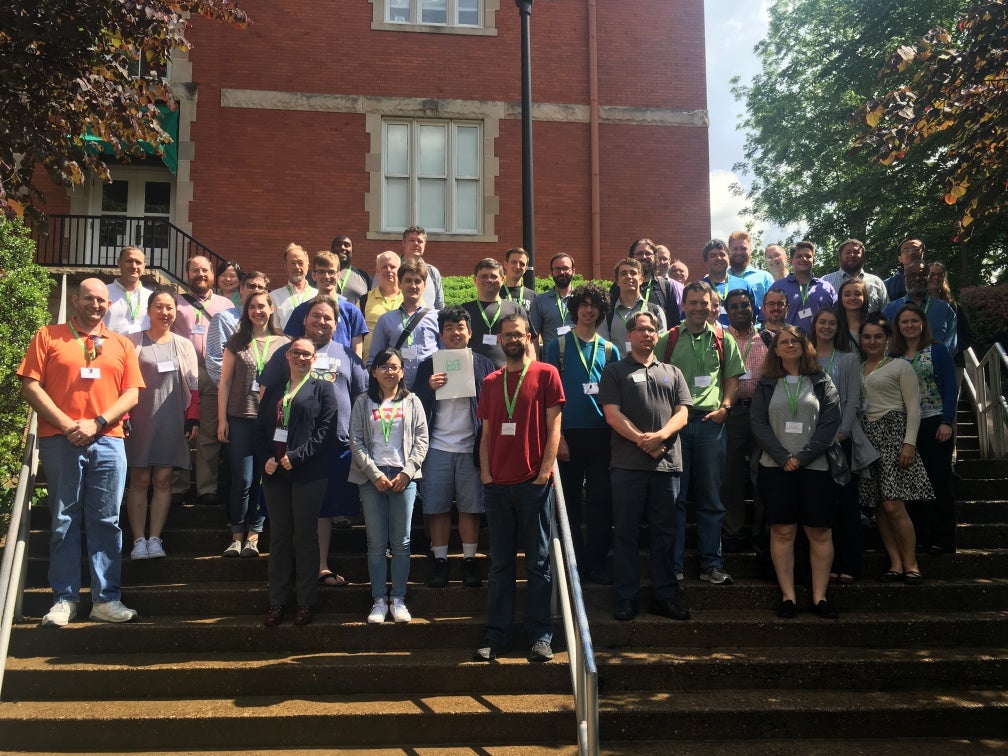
(94, 241)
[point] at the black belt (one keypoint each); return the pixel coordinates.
(743, 402)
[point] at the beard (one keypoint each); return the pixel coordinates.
(514, 349)
(563, 280)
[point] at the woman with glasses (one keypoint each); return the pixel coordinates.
(292, 443)
(388, 440)
(795, 417)
(229, 275)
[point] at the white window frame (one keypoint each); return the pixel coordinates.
(383, 19)
(451, 14)
(451, 177)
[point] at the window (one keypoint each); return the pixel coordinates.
(431, 175)
(434, 12)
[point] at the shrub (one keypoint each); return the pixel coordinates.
(987, 309)
(459, 289)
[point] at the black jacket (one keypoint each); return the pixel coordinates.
(312, 414)
(825, 430)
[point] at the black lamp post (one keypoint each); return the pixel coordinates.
(528, 208)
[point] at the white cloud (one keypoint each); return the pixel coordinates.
(726, 207)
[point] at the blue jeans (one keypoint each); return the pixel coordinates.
(703, 453)
(244, 478)
(387, 519)
(85, 488)
(518, 518)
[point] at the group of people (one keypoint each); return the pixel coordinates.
(347, 393)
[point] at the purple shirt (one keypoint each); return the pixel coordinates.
(804, 303)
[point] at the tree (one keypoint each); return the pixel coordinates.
(955, 92)
(69, 68)
(819, 64)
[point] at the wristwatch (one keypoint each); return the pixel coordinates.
(727, 407)
(101, 422)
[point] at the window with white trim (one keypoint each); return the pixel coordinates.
(431, 175)
(434, 12)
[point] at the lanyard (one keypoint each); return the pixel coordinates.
(562, 307)
(803, 290)
(595, 343)
(748, 346)
(510, 403)
(832, 357)
(385, 300)
(406, 318)
(717, 287)
(297, 298)
(792, 400)
(698, 359)
(260, 357)
(388, 422)
(647, 294)
(489, 323)
(131, 308)
(289, 396)
(927, 304)
(914, 361)
(89, 354)
(346, 277)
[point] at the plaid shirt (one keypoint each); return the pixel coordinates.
(754, 353)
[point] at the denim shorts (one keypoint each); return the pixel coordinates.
(448, 476)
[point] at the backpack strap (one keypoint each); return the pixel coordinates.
(412, 323)
(673, 339)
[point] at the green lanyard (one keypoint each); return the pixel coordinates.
(748, 347)
(89, 354)
(562, 307)
(927, 304)
(832, 358)
(803, 290)
(698, 359)
(296, 298)
(510, 403)
(387, 422)
(346, 277)
(792, 400)
(406, 319)
(260, 357)
(914, 361)
(132, 309)
(385, 300)
(489, 323)
(717, 288)
(289, 396)
(595, 343)
(647, 294)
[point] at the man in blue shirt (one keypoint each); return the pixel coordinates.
(549, 315)
(350, 325)
(806, 294)
(740, 257)
(941, 317)
(720, 279)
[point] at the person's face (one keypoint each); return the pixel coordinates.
(412, 287)
(414, 244)
(388, 374)
(910, 251)
(587, 314)
(250, 286)
(663, 259)
(131, 266)
(873, 340)
(456, 335)
(91, 303)
(388, 270)
(645, 255)
(344, 249)
(697, 308)
(715, 310)
(259, 310)
(228, 281)
(162, 310)
(679, 272)
(628, 279)
(296, 264)
(851, 258)
(516, 265)
(199, 275)
(774, 307)
(910, 325)
(320, 324)
(513, 338)
(717, 262)
(776, 259)
(802, 260)
(300, 356)
(643, 336)
(740, 314)
(825, 328)
(562, 270)
(789, 346)
(739, 253)
(936, 280)
(916, 279)
(325, 278)
(488, 283)
(852, 297)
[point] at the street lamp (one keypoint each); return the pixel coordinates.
(528, 209)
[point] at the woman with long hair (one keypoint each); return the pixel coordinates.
(891, 415)
(245, 355)
(938, 287)
(158, 442)
(935, 524)
(388, 439)
(852, 310)
(795, 416)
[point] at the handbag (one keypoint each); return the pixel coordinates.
(838, 467)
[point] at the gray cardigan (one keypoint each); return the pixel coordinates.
(848, 384)
(415, 439)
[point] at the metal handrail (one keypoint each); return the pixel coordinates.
(985, 380)
(567, 594)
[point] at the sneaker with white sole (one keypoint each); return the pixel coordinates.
(112, 611)
(251, 549)
(61, 613)
(717, 576)
(235, 549)
(399, 611)
(155, 548)
(378, 611)
(140, 549)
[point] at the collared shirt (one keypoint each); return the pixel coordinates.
(223, 326)
(941, 317)
(696, 355)
(730, 284)
(546, 317)
(286, 298)
(613, 327)
(127, 312)
(349, 324)
(421, 343)
(195, 325)
(805, 301)
(759, 281)
(754, 353)
(895, 286)
(875, 287)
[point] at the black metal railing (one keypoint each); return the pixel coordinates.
(94, 241)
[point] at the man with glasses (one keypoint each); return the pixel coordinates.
(488, 311)
(351, 327)
(127, 312)
(520, 407)
(909, 250)
(550, 317)
(515, 265)
(627, 304)
(646, 403)
(774, 315)
(940, 315)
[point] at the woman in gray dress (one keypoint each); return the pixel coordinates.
(158, 442)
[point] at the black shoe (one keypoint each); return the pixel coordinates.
(825, 610)
(626, 610)
(439, 574)
(787, 609)
(207, 500)
(487, 651)
(668, 608)
(177, 499)
(471, 577)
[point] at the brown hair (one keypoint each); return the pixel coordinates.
(773, 367)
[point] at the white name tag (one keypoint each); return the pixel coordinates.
(255, 387)
(199, 329)
(321, 362)
(792, 426)
(806, 313)
(563, 330)
(627, 345)
(702, 381)
(638, 377)
(409, 353)
(489, 339)
(280, 435)
(165, 366)
(590, 388)
(509, 429)
(723, 310)
(90, 373)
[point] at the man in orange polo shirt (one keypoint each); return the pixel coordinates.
(81, 378)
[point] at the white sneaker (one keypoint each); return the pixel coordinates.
(378, 611)
(61, 613)
(155, 548)
(399, 611)
(140, 549)
(112, 611)
(234, 549)
(251, 549)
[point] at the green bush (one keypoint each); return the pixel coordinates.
(987, 308)
(459, 289)
(24, 292)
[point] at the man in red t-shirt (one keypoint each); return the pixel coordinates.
(520, 408)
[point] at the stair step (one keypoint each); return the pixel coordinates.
(810, 746)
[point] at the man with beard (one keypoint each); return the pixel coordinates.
(909, 250)
(515, 264)
(549, 315)
(350, 325)
(774, 314)
(775, 259)
(740, 258)
(806, 294)
(941, 317)
(719, 277)
(192, 321)
(488, 311)
(296, 290)
(127, 312)
(653, 289)
(353, 283)
(852, 253)
(414, 245)
(520, 408)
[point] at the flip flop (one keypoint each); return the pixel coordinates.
(327, 578)
(890, 576)
(913, 577)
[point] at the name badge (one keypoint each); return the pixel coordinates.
(590, 388)
(199, 329)
(792, 426)
(409, 353)
(489, 339)
(806, 313)
(90, 373)
(702, 381)
(255, 387)
(745, 376)
(563, 330)
(321, 362)
(134, 328)
(166, 366)
(627, 345)
(723, 310)
(638, 377)
(509, 429)
(280, 435)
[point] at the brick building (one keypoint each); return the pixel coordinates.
(364, 116)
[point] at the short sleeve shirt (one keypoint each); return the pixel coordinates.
(486, 318)
(697, 357)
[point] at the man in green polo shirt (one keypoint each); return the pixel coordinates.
(710, 360)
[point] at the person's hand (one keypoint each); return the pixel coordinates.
(944, 432)
(399, 482)
(792, 464)
(383, 484)
(222, 432)
(906, 456)
(485, 478)
(89, 428)
(76, 436)
(563, 451)
(841, 437)
(271, 466)
(652, 444)
(191, 429)
(285, 463)
(437, 380)
(717, 416)
(542, 478)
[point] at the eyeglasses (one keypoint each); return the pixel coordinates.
(513, 336)
(387, 368)
(739, 306)
(252, 286)
(300, 354)
(561, 270)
